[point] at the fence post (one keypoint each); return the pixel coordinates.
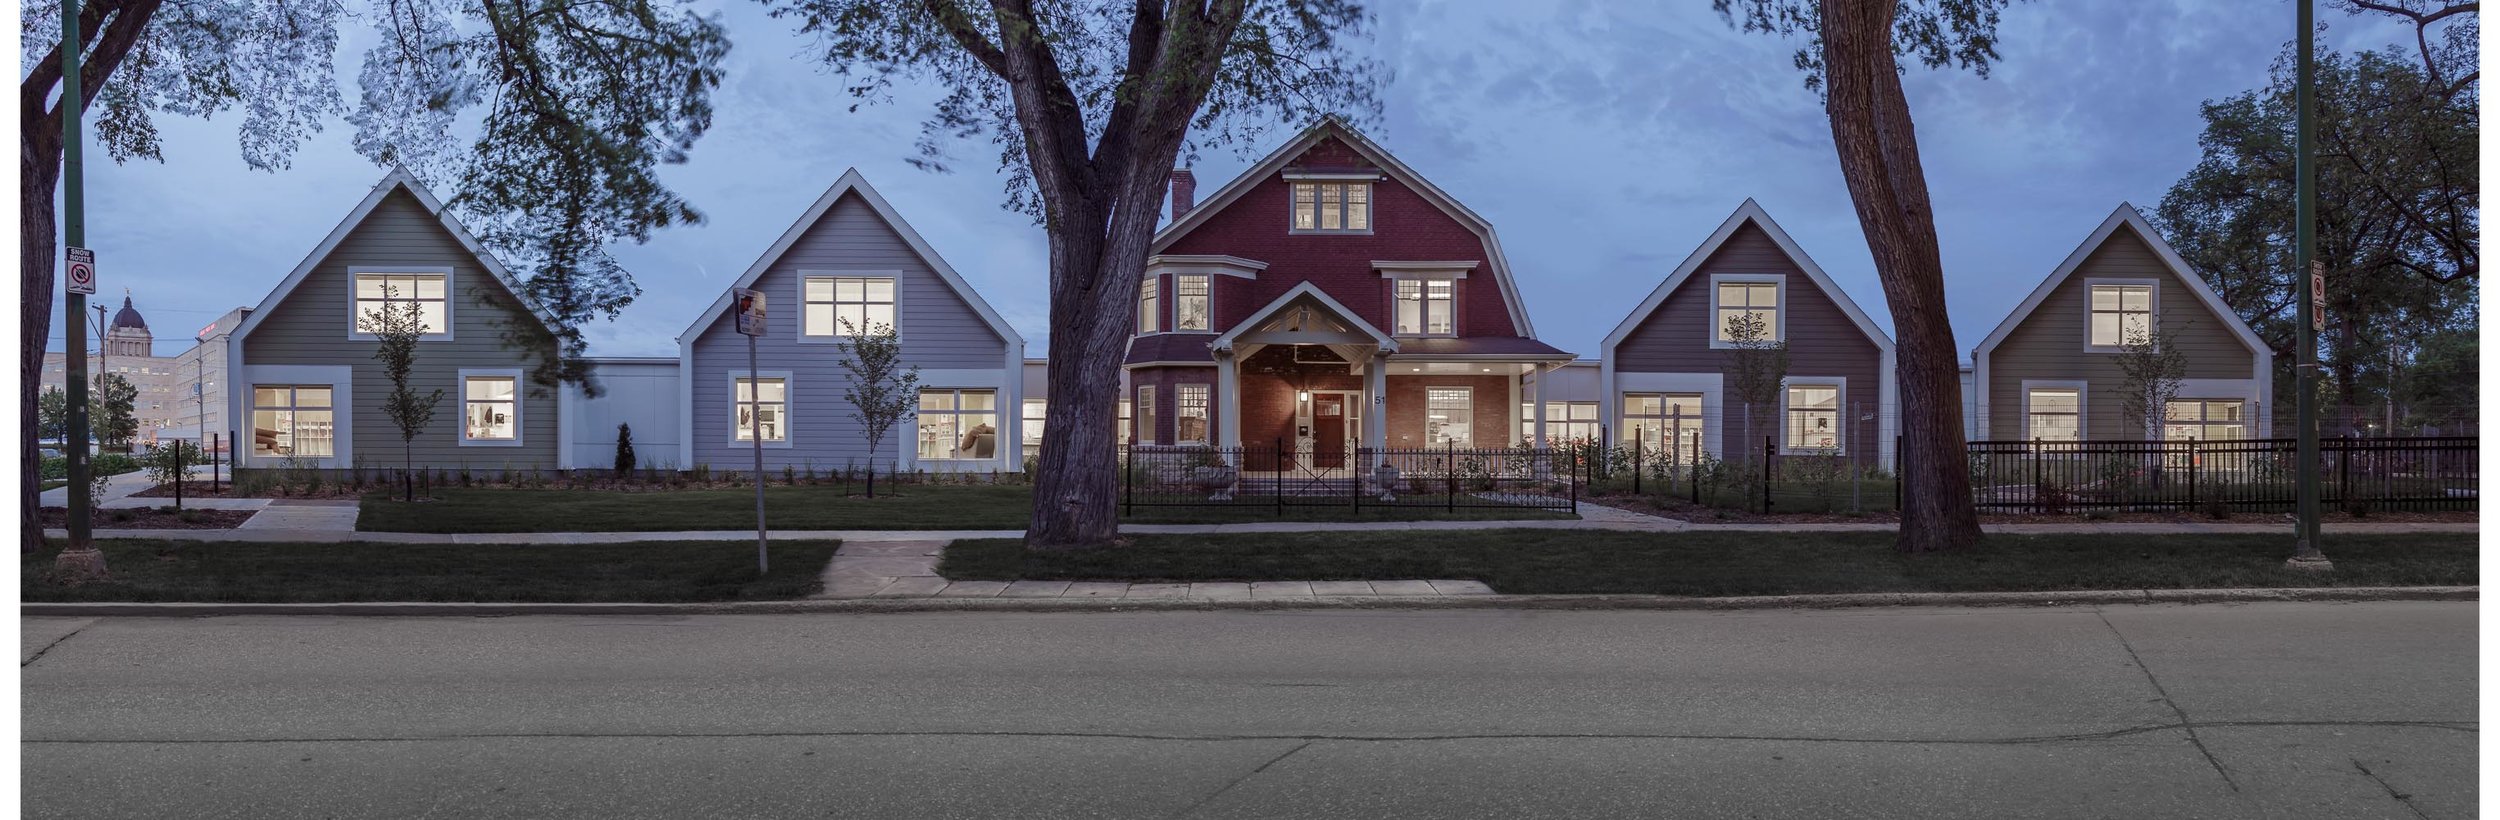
(1694, 476)
(213, 444)
(1449, 475)
(1574, 482)
(1636, 461)
(1362, 456)
(2038, 504)
(178, 468)
(1768, 451)
(2193, 458)
(1128, 482)
(1280, 481)
(2343, 469)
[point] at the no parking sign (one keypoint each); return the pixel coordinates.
(81, 272)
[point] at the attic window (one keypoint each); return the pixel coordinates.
(429, 291)
(1332, 207)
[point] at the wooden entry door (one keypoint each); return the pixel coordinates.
(1328, 430)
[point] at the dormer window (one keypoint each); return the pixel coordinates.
(1426, 307)
(1332, 207)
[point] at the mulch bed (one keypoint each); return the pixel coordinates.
(153, 518)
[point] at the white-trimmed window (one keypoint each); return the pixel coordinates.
(1668, 422)
(1565, 422)
(292, 421)
(1036, 414)
(2053, 414)
(1813, 415)
(1739, 298)
(490, 407)
(1125, 433)
(760, 405)
(2205, 420)
(833, 306)
(1449, 416)
(1332, 207)
(1189, 415)
(1150, 306)
(430, 291)
(1427, 307)
(1192, 306)
(958, 424)
(1146, 433)
(2121, 312)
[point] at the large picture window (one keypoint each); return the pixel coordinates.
(1449, 416)
(1668, 423)
(1191, 309)
(1324, 207)
(2121, 314)
(1813, 418)
(490, 409)
(761, 406)
(1189, 414)
(2204, 420)
(430, 292)
(958, 424)
(1746, 304)
(290, 421)
(1425, 307)
(1566, 422)
(846, 305)
(2053, 414)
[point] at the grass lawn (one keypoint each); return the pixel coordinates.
(909, 507)
(1730, 563)
(50, 483)
(148, 570)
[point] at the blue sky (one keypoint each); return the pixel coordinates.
(1604, 140)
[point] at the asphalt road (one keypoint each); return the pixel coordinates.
(2271, 710)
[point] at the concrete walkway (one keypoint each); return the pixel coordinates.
(908, 569)
(118, 495)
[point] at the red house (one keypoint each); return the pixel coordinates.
(1326, 300)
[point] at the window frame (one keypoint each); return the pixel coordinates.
(1144, 417)
(1470, 426)
(1779, 307)
(1840, 414)
(1344, 205)
(1423, 319)
(355, 304)
(291, 407)
(2204, 421)
(789, 401)
(1668, 420)
(1205, 296)
(892, 278)
(1527, 421)
(1150, 305)
(1205, 414)
(2083, 407)
(519, 431)
(2152, 313)
(996, 413)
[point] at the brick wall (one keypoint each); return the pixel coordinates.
(1494, 425)
(1161, 380)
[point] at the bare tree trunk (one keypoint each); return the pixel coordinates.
(39, 173)
(1878, 147)
(1076, 490)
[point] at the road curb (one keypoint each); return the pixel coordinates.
(1369, 602)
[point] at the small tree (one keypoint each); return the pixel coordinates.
(396, 327)
(624, 451)
(882, 389)
(114, 411)
(52, 415)
(2153, 366)
(1757, 364)
(168, 463)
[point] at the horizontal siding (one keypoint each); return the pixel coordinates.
(937, 328)
(2048, 344)
(309, 326)
(642, 395)
(1822, 340)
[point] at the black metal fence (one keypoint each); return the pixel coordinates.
(1282, 478)
(2245, 475)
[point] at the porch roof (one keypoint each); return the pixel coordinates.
(1481, 347)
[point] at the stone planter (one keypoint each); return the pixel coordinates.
(1218, 482)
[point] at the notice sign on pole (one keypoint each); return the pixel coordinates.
(749, 305)
(81, 271)
(2317, 296)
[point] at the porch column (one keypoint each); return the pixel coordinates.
(1228, 403)
(1376, 417)
(1536, 396)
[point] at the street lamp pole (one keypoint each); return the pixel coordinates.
(2305, 554)
(80, 559)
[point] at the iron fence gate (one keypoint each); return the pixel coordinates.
(1282, 477)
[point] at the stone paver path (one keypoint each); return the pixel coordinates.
(908, 569)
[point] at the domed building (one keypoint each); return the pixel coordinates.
(166, 396)
(128, 335)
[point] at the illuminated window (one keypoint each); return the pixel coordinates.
(762, 405)
(1190, 414)
(1190, 307)
(1747, 307)
(846, 305)
(1668, 423)
(2053, 414)
(2205, 420)
(490, 409)
(1332, 207)
(1149, 306)
(2121, 314)
(430, 292)
(958, 424)
(291, 421)
(1425, 307)
(1813, 417)
(1449, 416)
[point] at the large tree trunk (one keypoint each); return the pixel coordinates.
(1094, 278)
(39, 172)
(1878, 147)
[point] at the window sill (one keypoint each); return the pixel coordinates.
(768, 445)
(1326, 232)
(490, 442)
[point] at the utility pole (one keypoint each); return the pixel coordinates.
(2305, 554)
(80, 560)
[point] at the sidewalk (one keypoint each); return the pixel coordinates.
(118, 495)
(908, 569)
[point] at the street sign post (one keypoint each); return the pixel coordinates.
(2317, 297)
(80, 559)
(748, 305)
(81, 271)
(2305, 554)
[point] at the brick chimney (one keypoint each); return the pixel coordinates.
(1184, 192)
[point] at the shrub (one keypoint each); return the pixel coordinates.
(172, 460)
(624, 450)
(2054, 498)
(2357, 507)
(2216, 510)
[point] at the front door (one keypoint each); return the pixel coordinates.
(1328, 430)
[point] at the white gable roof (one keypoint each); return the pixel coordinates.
(1225, 341)
(852, 182)
(1752, 212)
(1330, 125)
(398, 178)
(2127, 215)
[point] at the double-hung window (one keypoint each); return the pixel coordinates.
(1745, 311)
(291, 421)
(1190, 303)
(1813, 417)
(1146, 433)
(2121, 314)
(1189, 414)
(2053, 414)
(1449, 416)
(1149, 306)
(490, 408)
(2204, 420)
(1426, 307)
(958, 424)
(378, 292)
(762, 409)
(846, 305)
(1332, 207)
(1663, 422)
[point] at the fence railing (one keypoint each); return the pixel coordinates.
(1281, 477)
(2244, 475)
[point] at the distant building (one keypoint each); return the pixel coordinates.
(203, 385)
(128, 351)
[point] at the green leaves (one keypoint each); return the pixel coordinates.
(1936, 33)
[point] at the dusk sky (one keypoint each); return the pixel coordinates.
(1605, 141)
